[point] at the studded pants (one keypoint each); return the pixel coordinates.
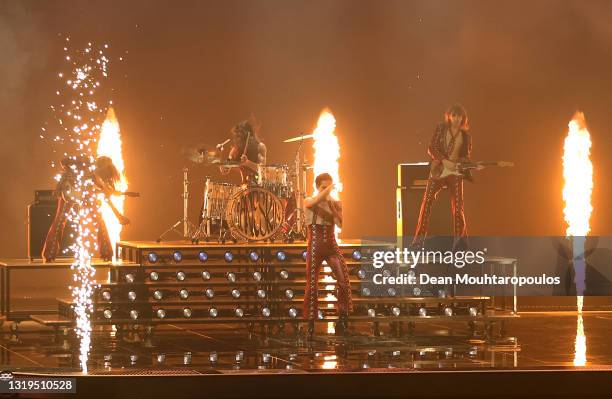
(56, 232)
(455, 185)
(322, 246)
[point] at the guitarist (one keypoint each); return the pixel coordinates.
(450, 144)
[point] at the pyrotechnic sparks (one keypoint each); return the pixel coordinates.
(78, 118)
(109, 144)
(578, 175)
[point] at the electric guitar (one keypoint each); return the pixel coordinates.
(439, 171)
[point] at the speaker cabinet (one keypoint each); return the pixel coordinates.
(411, 183)
(40, 216)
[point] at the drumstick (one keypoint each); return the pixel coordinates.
(246, 143)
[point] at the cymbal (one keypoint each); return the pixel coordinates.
(299, 138)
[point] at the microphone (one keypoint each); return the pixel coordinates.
(220, 145)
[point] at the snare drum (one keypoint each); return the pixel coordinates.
(216, 197)
(274, 178)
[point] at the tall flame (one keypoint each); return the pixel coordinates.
(578, 175)
(326, 156)
(327, 150)
(109, 144)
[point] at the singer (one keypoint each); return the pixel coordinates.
(322, 213)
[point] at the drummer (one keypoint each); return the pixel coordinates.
(248, 149)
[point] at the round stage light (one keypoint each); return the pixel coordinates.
(161, 313)
(202, 256)
(209, 292)
(365, 291)
(154, 276)
(132, 296)
(129, 278)
(213, 312)
(448, 311)
(134, 314)
(108, 313)
(212, 357)
(261, 293)
(180, 276)
(205, 275)
(422, 312)
(320, 314)
(236, 293)
(239, 312)
(158, 294)
(228, 256)
(371, 312)
(361, 273)
(473, 311)
(304, 254)
(161, 358)
(284, 274)
(153, 258)
(257, 276)
(391, 291)
(106, 295)
(293, 312)
(395, 311)
(254, 256)
(265, 312)
(289, 294)
(357, 254)
(187, 312)
(416, 291)
(184, 294)
(177, 256)
(231, 277)
(281, 256)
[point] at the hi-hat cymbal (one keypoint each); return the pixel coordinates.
(299, 138)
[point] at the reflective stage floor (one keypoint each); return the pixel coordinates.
(534, 342)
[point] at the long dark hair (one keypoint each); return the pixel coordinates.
(247, 128)
(457, 109)
(106, 171)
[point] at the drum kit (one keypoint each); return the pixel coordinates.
(268, 208)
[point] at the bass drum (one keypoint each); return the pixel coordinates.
(254, 214)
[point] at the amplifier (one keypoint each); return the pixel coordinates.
(411, 183)
(40, 216)
(44, 196)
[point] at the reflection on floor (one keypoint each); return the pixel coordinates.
(542, 340)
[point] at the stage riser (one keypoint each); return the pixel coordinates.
(271, 287)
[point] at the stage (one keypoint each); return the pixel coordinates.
(535, 359)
